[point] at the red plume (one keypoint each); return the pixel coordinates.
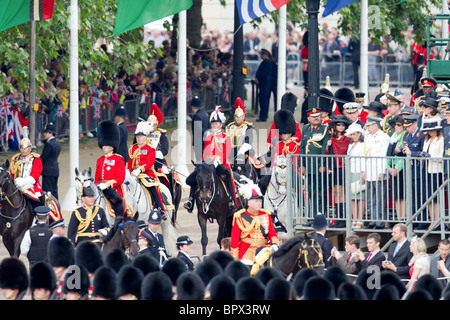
(154, 110)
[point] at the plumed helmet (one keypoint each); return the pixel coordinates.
(89, 255)
(289, 101)
(129, 281)
(156, 116)
(217, 115)
(342, 96)
(285, 122)
(13, 274)
(105, 283)
(326, 103)
(108, 134)
(61, 252)
(142, 128)
(250, 191)
(25, 142)
(239, 108)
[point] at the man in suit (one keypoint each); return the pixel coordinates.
(49, 158)
(374, 257)
(263, 80)
(200, 124)
(440, 264)
(320, 225)
(399, 253)
(251, 46)
(346, 261)
(120, 116)
(184, 248)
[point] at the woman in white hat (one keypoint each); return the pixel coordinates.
(356, 152)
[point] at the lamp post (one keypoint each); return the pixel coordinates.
(312, 9)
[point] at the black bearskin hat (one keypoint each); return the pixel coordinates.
(105, 283)
(344, 95)
(223, 287)
(61, 252)
(289, 101)
(116, 259)
(156, 286)
(285, 122)
(83, 282)
(108, 134)
(129, 281)
(326, 104)
(174, 267)
(89, 255)
(190, 287)
(13, 274)
(42, 276)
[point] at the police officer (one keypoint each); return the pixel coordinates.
(315, 136)
(87, 222)
(120, 115)
(157, 246)
(412, 146)
(35, 240)
(184, 248)
(110, 168)
(49, 158)
(262, 79)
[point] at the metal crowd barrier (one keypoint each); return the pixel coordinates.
(412, 195)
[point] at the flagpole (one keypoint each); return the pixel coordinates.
(69, 203)
(181, 119)
(364, 42)
(281, 81)
(32, 94)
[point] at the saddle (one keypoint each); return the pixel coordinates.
(54, 213)
(148, 182)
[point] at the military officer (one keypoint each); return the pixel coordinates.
(110, 168)
(314, 141)
(142, 160)
(49, 158)
(412, 146)
(351, 111)
(157, 139)
(290, 144)
(360, 100)
(35, 241)
(240, 132)
(88, 222)
(393, 106)
(252, 227)
(426, 84)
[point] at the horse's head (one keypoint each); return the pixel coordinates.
(241, 166)
(6, 181)
(310, 254)
(83, 179)
(130, 233)
(206, 183)
(280, 173)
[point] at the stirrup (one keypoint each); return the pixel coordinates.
(189, 205)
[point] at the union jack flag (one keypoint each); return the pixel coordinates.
(226, 97)
(5, 107)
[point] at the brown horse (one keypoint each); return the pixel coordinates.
(16, 214)
(299, 252)
(125, 237)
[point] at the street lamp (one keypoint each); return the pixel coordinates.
(312, 9)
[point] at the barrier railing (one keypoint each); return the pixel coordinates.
(369, 192)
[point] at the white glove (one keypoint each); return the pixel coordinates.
(27, 183)
(136, 172)
(216, 163)
(244, 148)
(18, 182)
(102, 186)
(274, 247)
(103, 232)
(159, 155)
(165, 170)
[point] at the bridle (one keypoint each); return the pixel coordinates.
(206, 203)
(129, 241)
(4, 196)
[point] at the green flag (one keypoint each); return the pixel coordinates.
(15, 12)
(132, 14)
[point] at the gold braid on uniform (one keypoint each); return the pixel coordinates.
(84, 223)
(313, 141)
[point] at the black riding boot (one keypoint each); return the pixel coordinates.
(189, 205)
(232, 205)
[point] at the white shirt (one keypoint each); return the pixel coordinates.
(375, 146)
(436, 149)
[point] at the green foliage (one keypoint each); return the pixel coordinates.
(96, 20)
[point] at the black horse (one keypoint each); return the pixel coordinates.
(212, 204)
(245, 168)
(299, 252)
(125, 238)
(16, 214)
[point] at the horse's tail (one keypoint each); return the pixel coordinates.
(170, 236)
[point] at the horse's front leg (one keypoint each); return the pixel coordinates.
(202, 221)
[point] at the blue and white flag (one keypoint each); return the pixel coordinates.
(334, 5)
(253, 9)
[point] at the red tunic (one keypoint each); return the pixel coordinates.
(246, 236)
(111, 170)
(363, 116)
(142, 158)
(291, 146)
(35, 162)
(218, 147)
(273, 133)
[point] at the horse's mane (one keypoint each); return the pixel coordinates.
(288, 245)
(207, 167)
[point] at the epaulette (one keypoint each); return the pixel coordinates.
(162, 130)
(118, 155)
(36, 155)
(249, 124)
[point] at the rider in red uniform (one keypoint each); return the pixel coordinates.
(110, 169)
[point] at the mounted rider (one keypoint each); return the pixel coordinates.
(26, 168)
(157, 139)
(241, 135)
(141, 165)
(217, 151)
(253, 227)
(110, 168)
